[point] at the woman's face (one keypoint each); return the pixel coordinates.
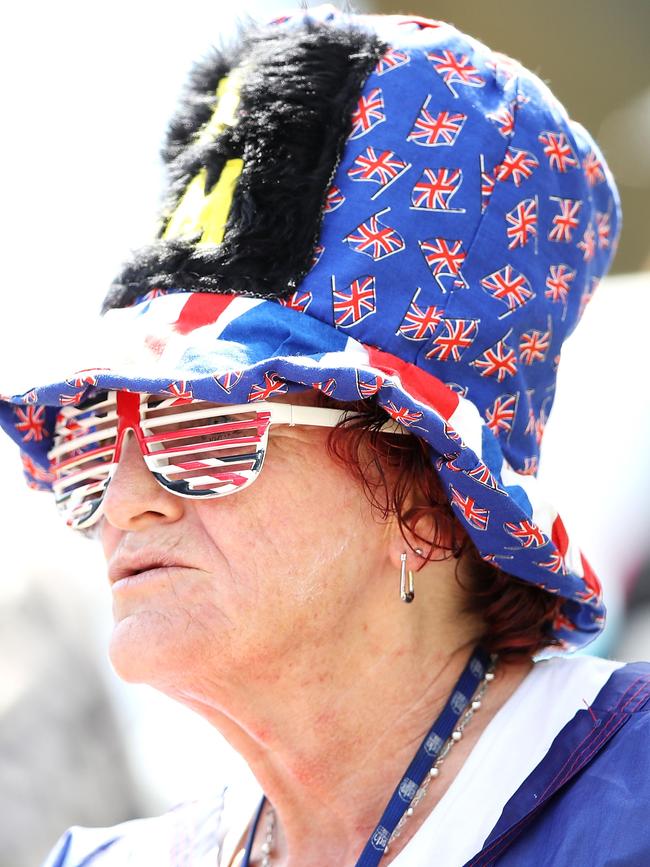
(238, 588)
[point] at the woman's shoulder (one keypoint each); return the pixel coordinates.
(607, 729)
(558, 693)
(598, 680)
(575, 669)
(187, 834)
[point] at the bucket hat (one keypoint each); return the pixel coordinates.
(372, 206)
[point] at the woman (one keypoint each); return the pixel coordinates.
(377, 235)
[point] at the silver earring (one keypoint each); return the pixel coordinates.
(406, 591)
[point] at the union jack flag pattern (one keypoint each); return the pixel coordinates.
(603, 230)
(501, 415)
(481, 474)
(445, 258)
(470, 513)
(181, 390)
(72, 399)
(558, 151)
(229, 380)
(554, 564)
(37, 478)
(151, 294)
(534, 346)
(272, 385)
(353, 303)
(453, 435)
(298, 300)
(368, 113)
(334, 200)
(448, 304)
(522, 223)
(328, 387)
(368, 384)
(448, 461)
(558, 283)
(536, 424)
(455, 337)
(564, 224)
(393, 59)
(593, 169)
(504, 119)
(381, 167)
(375, 239)
(457, 388)
(456, 69)
(402, 414)
(526, 533)
(588, 243)
(30, 423)
(499, 361)
(316, 254)
(81, 379)
(435, 189)
(420, 322)
(441, 129)
(587, 295)
(517, 166)
(508, 286)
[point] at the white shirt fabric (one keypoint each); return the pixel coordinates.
(510, 747)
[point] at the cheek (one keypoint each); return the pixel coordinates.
(297, 533)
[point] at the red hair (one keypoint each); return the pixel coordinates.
(399, 480)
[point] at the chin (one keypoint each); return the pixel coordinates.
(144, 648)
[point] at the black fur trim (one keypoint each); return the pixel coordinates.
(196, 103)
(300, 88)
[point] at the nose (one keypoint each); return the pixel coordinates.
(133, 499)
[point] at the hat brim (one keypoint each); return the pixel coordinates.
(231, 349)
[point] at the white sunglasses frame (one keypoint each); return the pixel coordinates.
(272, 412)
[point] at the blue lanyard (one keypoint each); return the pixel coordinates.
(421, 764)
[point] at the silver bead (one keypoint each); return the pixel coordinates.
(456, 736)
(266, 848)
(409, 812)
(385, 850)
(434, 772)
(489, 676)
(476, 704)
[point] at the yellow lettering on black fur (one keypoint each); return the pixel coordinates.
(206, 213)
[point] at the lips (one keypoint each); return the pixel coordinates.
(128, 565)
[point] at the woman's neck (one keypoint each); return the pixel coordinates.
(329, 741)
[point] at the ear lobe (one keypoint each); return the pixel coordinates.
(426, 530)
(406, 541)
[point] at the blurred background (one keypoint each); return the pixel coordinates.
(87, 91)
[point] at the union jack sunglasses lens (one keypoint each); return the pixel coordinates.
(81, 458)
(199, 450)
(192, 448)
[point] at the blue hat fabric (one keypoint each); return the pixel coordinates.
(466, 225)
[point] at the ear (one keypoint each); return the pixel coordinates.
(410, 540)
(425, 532)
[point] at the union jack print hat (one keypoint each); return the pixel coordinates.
(372, 206)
